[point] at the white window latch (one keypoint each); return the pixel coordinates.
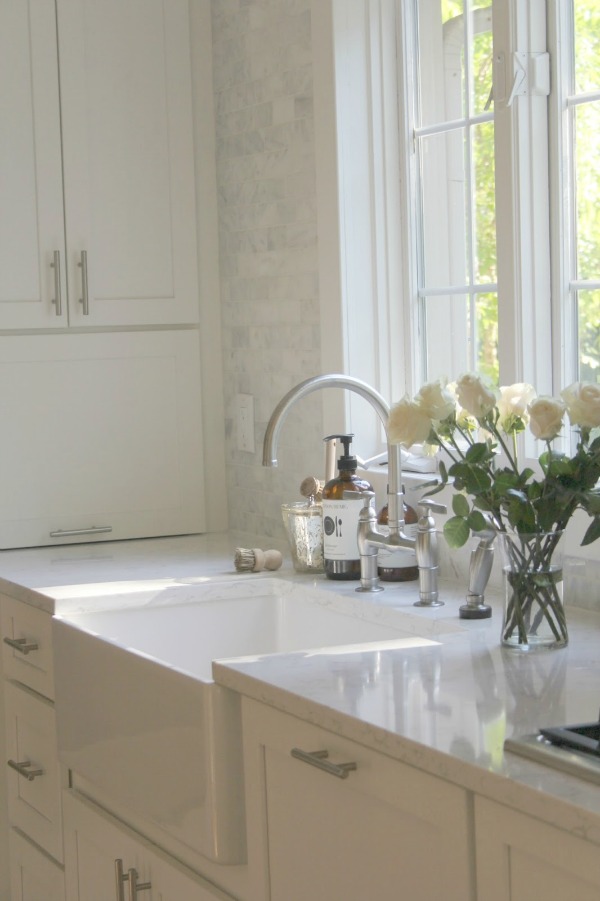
(526, 73)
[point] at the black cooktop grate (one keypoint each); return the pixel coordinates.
(585, 737)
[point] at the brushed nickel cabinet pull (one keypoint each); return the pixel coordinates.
(84, 299)
(319, 759)
(135, 886)
(68, 533)
(22, 645)
(120, 878)
(23, 769)
(57, 294)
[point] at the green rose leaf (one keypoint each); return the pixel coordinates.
(473, 479)
(477, 521)
(478, 453)
(591, 503)
(593, 531)
(460, 505)
(521, 517)
(505, 479)
(456, 531)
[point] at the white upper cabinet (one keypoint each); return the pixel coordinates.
(31, 197)
(97, 162)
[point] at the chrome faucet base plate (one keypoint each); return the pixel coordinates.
(475, 611)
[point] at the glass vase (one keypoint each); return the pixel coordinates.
(304, 529)
(534, 615)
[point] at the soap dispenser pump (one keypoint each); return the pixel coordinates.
(340, 516)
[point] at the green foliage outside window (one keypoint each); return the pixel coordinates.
(587, 179)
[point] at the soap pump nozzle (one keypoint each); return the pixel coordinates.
(347, 462)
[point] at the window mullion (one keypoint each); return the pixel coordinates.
(560, 29)
(522, 206)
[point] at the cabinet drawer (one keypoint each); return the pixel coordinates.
(340, 820)
(96, 844)
(27, 645)
(75, 393)
(34, 801)
(33, 875)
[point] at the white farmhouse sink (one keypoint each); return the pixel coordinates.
(140, 717)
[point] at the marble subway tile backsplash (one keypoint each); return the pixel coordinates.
(263, 82)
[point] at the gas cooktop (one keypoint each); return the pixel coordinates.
(572, 749)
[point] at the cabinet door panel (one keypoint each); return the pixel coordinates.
(34, 806)
(31, 201)
(121, 430)
(373, 834)
(27, 624)
(33, 876)
(520, 858)
(125, 80)
(94, 841)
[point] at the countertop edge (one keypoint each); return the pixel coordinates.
(559, 805)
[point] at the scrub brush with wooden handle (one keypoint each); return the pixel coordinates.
(254, 559)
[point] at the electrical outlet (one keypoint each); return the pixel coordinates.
(245, 423)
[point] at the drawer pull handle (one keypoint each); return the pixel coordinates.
(23, 769)
(319, 759)
(22, 645)
(69, 533)
(135, 886)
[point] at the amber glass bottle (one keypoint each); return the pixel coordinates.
(340, 517)
(399, 566)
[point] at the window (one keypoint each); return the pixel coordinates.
(483, 290)
(454, 149)
(578, 118)
(461, 225)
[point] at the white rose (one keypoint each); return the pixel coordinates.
(513, 403)
(408, 424)
(436, 400)
(474, 395)
(583, 404)
(546, 417)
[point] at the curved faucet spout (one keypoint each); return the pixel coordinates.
(336, 380)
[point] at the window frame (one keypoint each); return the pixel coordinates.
(519, 31)
(369, 283)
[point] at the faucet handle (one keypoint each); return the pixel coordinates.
(366, 496)
(433, 506)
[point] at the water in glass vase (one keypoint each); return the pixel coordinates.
(534, 615)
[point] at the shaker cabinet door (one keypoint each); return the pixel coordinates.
(386, 831)
(127, 129)
(97, 178)
(105, 437)
(520, 858)
(33, 875)
(101, 854)
(33, 772)
(32, 230)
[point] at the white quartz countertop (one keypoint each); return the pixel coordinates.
(76, 577)
(445, 706)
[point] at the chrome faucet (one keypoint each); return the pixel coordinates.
(370, 539)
